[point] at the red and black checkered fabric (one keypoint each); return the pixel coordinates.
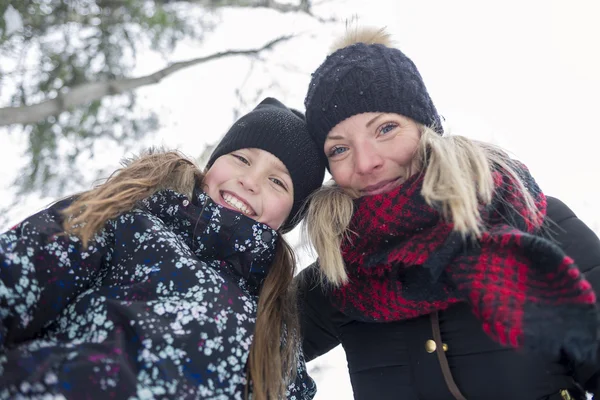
(405, 261)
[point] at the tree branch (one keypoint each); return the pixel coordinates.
(85, 93)
(303, 6)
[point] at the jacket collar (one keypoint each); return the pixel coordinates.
(244, 246)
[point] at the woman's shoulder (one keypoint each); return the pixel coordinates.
(314, 294)
(310, 282)
(575, 238)
(557, 210)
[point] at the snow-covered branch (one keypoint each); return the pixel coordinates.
(85, 93)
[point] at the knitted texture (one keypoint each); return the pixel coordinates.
(364, 78)
(281, 131)
(406, 262)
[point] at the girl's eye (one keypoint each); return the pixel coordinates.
(387, 128)
(337, 150)
(241, 158)
(278, 182)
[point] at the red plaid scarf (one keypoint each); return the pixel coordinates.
(405, 261)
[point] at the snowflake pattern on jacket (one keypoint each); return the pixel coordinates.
(161, 304)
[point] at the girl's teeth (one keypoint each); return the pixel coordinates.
(232, 201)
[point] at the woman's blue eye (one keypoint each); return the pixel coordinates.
(337, 150)
(387, 128)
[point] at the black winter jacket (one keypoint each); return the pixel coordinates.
(161, 304)
(391, 361)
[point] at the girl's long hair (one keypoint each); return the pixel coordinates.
(273, 355)
(458, 180)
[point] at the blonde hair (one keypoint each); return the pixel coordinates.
(458, 179)
(273, 354)
(140, 177)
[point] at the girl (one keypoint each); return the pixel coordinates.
(438, 281)
(165, 282)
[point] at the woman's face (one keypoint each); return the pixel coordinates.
(253, 182)
(372, 153)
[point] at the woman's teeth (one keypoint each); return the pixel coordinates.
(237, 204)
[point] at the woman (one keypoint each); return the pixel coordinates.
(165, 282)
(435, 271)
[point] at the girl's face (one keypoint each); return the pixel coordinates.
(253, 182)
(372, 153)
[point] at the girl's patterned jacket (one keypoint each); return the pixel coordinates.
(161, 304)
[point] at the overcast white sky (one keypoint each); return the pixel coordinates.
(524, 74)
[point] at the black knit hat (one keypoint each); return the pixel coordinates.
(362, 78)
(281, 131)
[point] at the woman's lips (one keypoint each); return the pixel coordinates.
(381, 187)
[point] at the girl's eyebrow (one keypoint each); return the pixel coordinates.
(280, 168)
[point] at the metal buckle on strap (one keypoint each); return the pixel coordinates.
(566, 395)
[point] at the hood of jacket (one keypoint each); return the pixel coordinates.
(245, 247)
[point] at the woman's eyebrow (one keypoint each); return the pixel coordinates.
(374, 119)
